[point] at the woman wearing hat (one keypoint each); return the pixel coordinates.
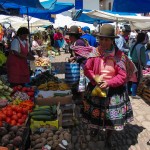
(17, 66)
(110, 108)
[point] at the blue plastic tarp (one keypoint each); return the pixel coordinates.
(20, 3)
(134, 6)
(82, 17)
(43, 13)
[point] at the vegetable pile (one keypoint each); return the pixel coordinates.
(11, 137)
(49, 135)
(15, 114)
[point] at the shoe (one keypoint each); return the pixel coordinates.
(136, 97)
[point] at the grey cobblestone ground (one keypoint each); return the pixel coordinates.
(135, 135)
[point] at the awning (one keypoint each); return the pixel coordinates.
(116, 17)
(83, 17)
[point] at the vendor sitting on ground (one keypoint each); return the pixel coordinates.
(36, 48)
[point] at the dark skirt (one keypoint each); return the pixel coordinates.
(112, 112)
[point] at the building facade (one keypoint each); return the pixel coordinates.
(89, 5)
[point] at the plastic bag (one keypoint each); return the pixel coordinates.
(97, 91)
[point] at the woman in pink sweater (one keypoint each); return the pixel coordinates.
(114, 110)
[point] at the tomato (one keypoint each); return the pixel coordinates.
(24, 89)
(1, 124)
(24, 111)
(19, 87)
(3, 116)
(19, 115)
(15, 117)
(5, 112)
(21, 121)
(24, 117)
(8, 120)
(31, 94)
(13, 122)
(19, 109)
(0, 118)
(14, 107)
(14, 113)
(9, 113)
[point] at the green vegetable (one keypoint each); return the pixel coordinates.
(60, 94)
(40, 113)
(42, 117)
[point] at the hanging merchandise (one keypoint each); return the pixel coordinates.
(72, 73)
(82, 81)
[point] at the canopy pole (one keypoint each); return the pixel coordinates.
(29, 29)
(116, 28)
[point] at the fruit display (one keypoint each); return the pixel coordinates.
(14, 115)
(11, 136)
(44, 77)
(23, 93)
(51, 85)
(49, 136)
(5, 92)
(2, 58)
(42, 61)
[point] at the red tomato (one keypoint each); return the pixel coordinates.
(15, 117)
(3, 116)
(9, 113)
(19, 115)
(8, 120)
(19, 109)
(14, 107)
(14, 113)
(24, 89)
(5, 112)
(0, 118)
(1, 124)
(21, 121)
(13, 122)
(31, 94)
(19, 87)
(24, 110)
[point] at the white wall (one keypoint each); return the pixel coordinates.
(87, 4)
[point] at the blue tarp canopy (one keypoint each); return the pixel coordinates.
(58, 8)
(134, 6)
(83, 17)
(20, 3)
(43, 13)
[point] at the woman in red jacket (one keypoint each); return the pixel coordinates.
(110, 108)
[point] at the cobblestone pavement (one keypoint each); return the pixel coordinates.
(135, 135)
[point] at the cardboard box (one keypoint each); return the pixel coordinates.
(54, 100)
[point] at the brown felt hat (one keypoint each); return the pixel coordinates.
(107, 30)
(74, 30)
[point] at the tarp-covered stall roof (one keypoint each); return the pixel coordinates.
(116, 17)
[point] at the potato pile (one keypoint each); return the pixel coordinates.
(42, 61)
(49, 136)
(11, 136)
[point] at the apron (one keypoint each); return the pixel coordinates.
(18, 70)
